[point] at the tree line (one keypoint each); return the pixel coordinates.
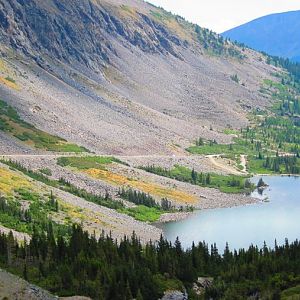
(283, 164)
(200, 178)
(141, 198)
(105, 269)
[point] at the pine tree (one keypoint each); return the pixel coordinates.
(194, 176)
(208, 179)
(139, 295)
(261, 183)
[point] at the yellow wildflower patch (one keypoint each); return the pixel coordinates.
(88, 218)
(3, 66)
(10, 181)
(9, 83)
(146, 187)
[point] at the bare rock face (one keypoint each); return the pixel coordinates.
(202, 284)
(175, 295)
(123, 76)
(73, 31)
(12, 287)
(75, 298)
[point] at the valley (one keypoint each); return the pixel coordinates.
(123, 126)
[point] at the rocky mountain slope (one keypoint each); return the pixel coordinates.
(124, 77)
(13, 287)
(276, 34)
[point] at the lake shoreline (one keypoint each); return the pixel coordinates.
(279, 175)
(180, 216)
(275, 217)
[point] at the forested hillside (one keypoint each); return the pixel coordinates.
(103, 269)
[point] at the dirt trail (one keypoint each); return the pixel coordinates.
(7, 156)
(244, 163)
(222, 166)
(215, 160)
(54, 155)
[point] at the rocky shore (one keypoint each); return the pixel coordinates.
(173, 217)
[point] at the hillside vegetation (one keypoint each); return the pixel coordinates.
(11, 123)
(271, 143)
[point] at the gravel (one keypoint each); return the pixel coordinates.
(13, 287)
(208, 198)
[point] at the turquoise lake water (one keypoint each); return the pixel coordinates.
(244, 225)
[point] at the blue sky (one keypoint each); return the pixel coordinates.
(220, 15)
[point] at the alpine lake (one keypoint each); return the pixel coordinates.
(275, 217)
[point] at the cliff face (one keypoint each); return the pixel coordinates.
(78, 30)
(124, 76)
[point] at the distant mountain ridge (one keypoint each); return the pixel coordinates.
(276, 34)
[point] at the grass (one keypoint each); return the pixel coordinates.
(244, 146)
(212, 43)
(174, 23)
(66, 186)
(226, 184)
(229, 131)
(256, 167)
(16, 189)
(143, 213)
(291, 293)
(84, 163)
(161, 15)
(239, 147)
(165, 283)
(72, 213)
(128, 9)
(11, 123)
(13, 223)
(9, 181)
(10, 79)
(27, 194)
(46, 171)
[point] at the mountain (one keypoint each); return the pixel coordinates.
(276, 34)
(117, 115)
(124, 77)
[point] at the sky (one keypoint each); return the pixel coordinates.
(221, 15)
